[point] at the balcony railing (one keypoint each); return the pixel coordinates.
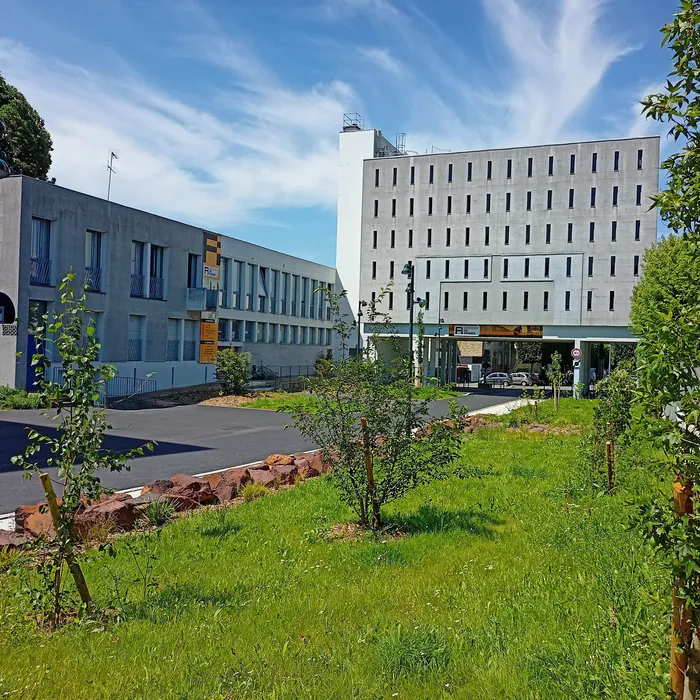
(189, 350)
(200, 299)
(138, 286)
(173, 350)
(40, 271)
(135, 350)
(156, 287)
(93, 278)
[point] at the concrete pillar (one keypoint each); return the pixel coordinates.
(582, 366)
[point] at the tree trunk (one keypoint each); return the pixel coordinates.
(376, 514)
(610, 461)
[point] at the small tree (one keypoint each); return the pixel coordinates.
(232, 370)
(76, 451)
(529, 352)
(556, 376)
(369, 427)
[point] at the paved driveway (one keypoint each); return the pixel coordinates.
(191, 440)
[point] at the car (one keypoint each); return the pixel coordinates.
(522, 378)
(497, 378)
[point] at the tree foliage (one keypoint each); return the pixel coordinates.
(27, 145)
(232, 370)
(529, 352)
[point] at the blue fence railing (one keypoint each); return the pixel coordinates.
(117, 387)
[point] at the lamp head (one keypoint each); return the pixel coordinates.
(407, 268)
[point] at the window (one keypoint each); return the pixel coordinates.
(410, 238)
(374, 240)
(594, 163)
(466, 269)
(570, 233)
(528, 201)
(509, 168)
(613, 232)
(40, 254)
(589, 301)
(427, 301)
(376, 177)
(527, 268)
(486, 269)
(485, 301)
(173, 347)
(413, 175)
(571, 198)
(449, 173)
(427, 269)
(486, 235)
(374, 269)
(432, 174)
(465, 300)
(548, 234)
(448, 237)
(391, 269)
(640, 159)
(489, 170)
(590, 266)
(504, 305)
(551, 165)
(507, 201)
(376, 208)
(394, 177)
(191, 340)
(593, 196)
(612, 266)
(568, 267)
(447, 269)
(545, 301)
(135, 338)
(93, 260)
(374, 296)
(636, 266)
(615, 191)
(639, 195)
(612, 300)
(430, 206)
(194, 267)
(410, 206)
(526, 300)
(549, 199)
(567, 301)
(546, 267)
(488, 202)
(505, 268)
(393, 207)
(393, 239)
(469, 172)
(637, 229)
(449, 204)
(391, 301)
(572, 164)
(527, 234)
(156, 282)
(466, 236)
(446, 301)
(430, 238)
(529, 167)
(616, 161)
(591, 232)
(507, 236)
(469, 204)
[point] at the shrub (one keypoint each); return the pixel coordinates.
(254, 490)
(232, 370)
(11, 398)
(159, 512)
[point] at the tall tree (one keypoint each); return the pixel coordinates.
(27, 144)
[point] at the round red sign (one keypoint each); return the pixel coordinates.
(576, 353)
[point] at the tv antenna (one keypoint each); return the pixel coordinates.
(110, 166)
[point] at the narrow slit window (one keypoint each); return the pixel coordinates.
(570, 233)
(504, 305)
(572, 165)
(449, 172)
(551, 165)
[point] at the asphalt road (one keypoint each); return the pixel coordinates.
(191, 440)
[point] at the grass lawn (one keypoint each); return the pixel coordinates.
(496, 590)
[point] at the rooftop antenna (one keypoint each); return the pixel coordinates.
(112, 157)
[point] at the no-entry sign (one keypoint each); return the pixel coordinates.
(576, 353)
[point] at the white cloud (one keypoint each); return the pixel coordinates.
(381, 58)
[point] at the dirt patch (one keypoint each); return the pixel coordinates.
(345, 532)
(235, 401)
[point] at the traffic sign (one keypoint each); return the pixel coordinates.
(576, 353)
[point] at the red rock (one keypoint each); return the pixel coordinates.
(9, 540)
(230, 483)
(180, 500)
(260, 476)
(120, 513)
(319, 462)
(213, 479)
(160, 486)
(192, 488)
(260, 466)
(29, 520)
(275, 460)
(114, 497)
(287, 473)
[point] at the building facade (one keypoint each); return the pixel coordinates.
(542, 242)
(164, 295)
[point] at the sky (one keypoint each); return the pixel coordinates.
(225, 114)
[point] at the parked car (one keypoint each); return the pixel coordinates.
(497, 378)
(522, 378)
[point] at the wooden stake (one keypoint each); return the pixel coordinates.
(370, 474)
(72, 562)
(610, 460)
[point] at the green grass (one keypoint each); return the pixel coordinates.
(572, 412)
(436, 393)
(11, 398)
(495, 590)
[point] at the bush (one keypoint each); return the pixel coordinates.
(232, 370)
(11, 398)
(159, 512)
(254, 490)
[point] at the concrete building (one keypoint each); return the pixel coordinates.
(164, 295)
(543, 242)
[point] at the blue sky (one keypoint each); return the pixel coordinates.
(225, 113)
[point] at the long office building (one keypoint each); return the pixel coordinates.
(164, 295)
(542, 242)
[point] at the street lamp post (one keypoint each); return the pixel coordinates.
(409, 270)
(360, 306)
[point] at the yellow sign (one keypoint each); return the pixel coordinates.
(211, 260)
(512, 331)
(208, 341)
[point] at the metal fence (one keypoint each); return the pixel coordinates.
(138, 287)
(93, 278)
(117, 387)
(156, 287)
(39, 270)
